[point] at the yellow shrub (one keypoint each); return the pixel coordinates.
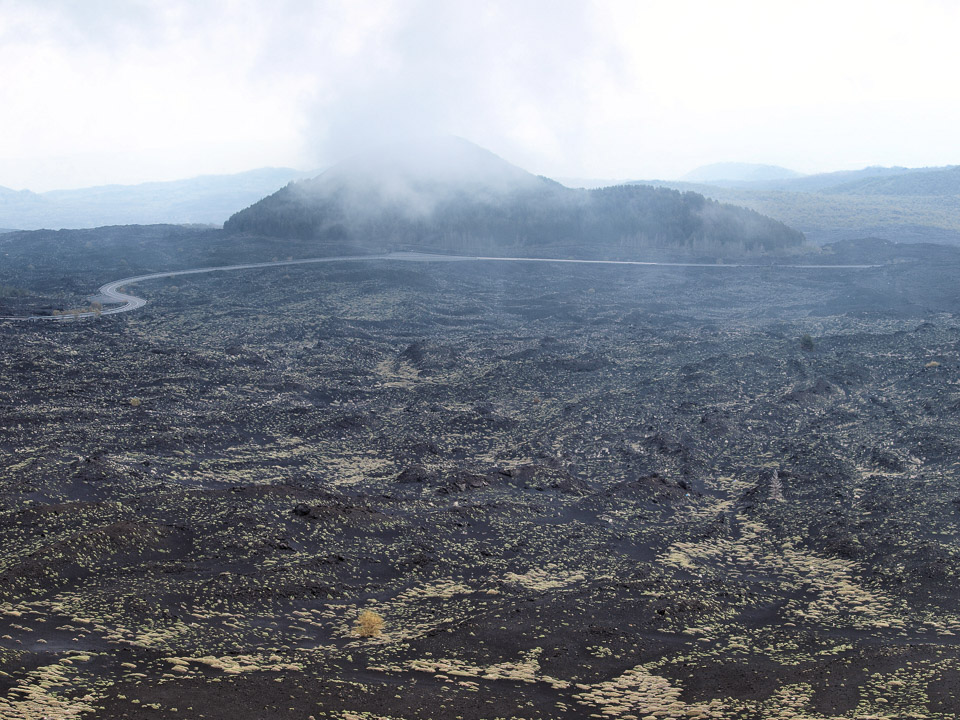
(369, 624)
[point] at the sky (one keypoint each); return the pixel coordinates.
(127, 91)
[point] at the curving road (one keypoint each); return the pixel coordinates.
(111, 292)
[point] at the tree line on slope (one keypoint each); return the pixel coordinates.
(548, 217)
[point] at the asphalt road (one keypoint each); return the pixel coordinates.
(112, 293)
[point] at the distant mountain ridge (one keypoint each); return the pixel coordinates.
(446, 194)
(893, 203)
(923, 181)
(736, 172)
(874, 180)
(204, 200)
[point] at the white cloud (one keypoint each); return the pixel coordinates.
(126, 91)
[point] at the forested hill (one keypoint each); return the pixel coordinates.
(452, 196)
(933, 182)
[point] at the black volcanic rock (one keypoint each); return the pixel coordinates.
(613, 516)
(415, 474)
(425, 355)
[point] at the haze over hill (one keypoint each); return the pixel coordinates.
(448, 194)
(737, 172)
(205, 200)
(900, 181)
(892, 203)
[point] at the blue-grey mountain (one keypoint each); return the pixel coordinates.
(206, 200)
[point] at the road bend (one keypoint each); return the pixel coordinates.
(121, 302)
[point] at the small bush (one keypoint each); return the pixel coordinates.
(806, 342)
(10, 291)
(369, 624)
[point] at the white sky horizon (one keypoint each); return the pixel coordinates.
(591, 180)
(124, 92)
